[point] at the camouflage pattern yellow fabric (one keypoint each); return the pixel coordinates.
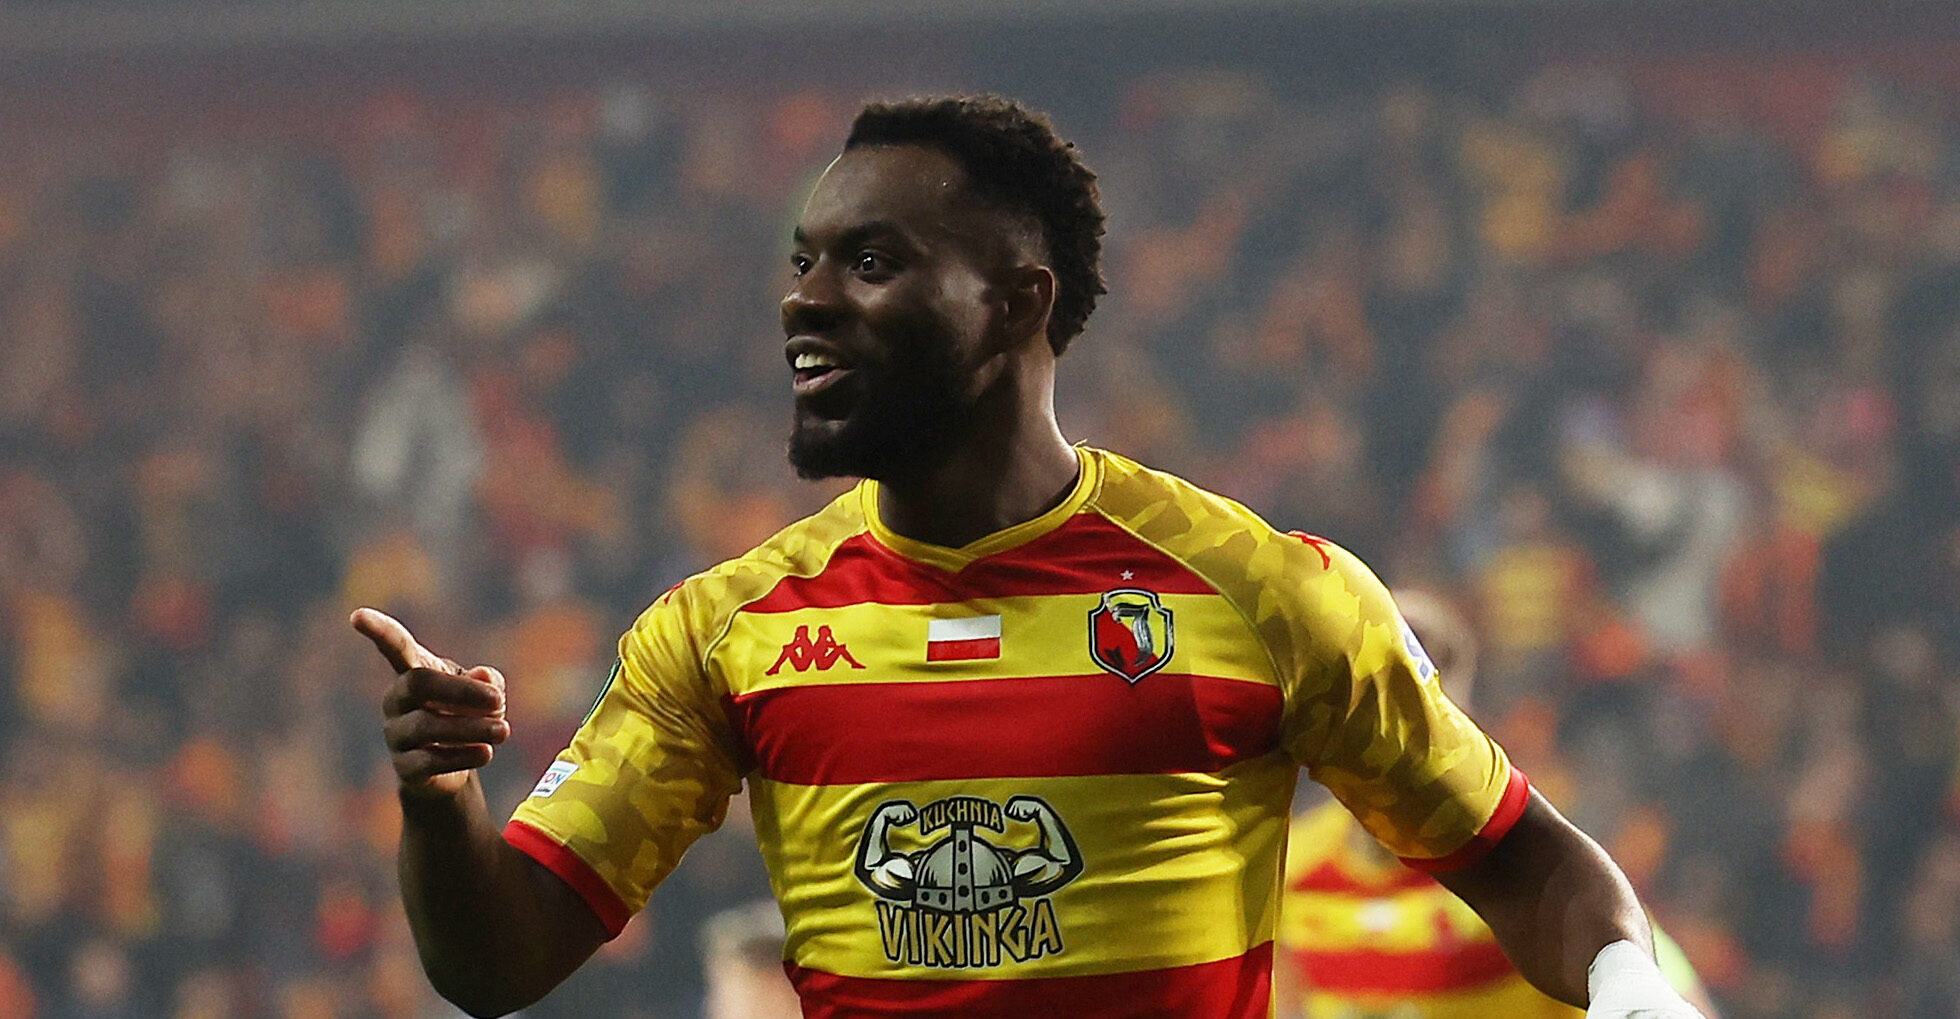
(1063, 752)
(1364, 713)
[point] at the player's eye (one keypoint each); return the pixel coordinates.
(871, 263)
(800, 263)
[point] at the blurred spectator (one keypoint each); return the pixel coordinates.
(1654, 354)
(417, 455)
(742, 949)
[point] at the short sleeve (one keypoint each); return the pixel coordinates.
(1367, 718)
(650, 770)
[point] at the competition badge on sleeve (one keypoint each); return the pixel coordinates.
(1425, 668)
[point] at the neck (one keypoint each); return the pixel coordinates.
(1010, 466)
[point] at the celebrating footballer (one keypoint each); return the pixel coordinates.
(1020, 720)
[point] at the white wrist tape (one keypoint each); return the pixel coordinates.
(1624, 978)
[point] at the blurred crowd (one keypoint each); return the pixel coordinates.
(1666, 394)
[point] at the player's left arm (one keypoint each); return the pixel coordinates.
(1567, 917)
(1370, 721)
(1556, 900)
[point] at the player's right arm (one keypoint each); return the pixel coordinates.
(495, 930)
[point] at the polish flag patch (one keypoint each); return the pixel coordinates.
(967, 639)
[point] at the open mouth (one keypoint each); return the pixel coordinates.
(815, 371)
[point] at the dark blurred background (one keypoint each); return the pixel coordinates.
(1636, 327)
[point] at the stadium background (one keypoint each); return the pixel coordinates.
(1637, 326)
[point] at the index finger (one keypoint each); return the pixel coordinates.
(393, 640)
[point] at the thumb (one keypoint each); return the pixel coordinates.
(490, 677)
(485, 674)
(393, 640)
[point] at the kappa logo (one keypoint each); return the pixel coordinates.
(963, 901)
(1130, 633)
(801, 653)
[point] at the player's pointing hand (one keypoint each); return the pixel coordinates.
(441, 720)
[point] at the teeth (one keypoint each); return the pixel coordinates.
(808, 361)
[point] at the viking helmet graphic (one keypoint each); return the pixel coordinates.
(964, 874)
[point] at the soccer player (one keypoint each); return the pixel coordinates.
(1020, 720)
(1363, 937)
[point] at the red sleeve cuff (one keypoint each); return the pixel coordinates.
(1510, 807)
(573, 871)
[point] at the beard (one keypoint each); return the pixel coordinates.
(906, 416)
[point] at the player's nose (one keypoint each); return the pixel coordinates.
(815, 302)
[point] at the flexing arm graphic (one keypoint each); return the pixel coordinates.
(1055, 862)
(884, 871)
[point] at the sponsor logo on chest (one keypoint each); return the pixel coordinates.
(976, 892)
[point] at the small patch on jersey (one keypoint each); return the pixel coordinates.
(1318, 544)
(963, 639)
(1425, 669)
(554, 776)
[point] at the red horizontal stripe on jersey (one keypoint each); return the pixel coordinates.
(962, 650)
(573, 871)
(1098, 724)
(1237, 988)
(1086, 555)
(1459, 967)
(1510, 807)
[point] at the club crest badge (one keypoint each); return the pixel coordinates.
(1131, 633)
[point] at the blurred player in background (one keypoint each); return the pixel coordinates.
(1363, 937)
(1020, 720)
(742, 963)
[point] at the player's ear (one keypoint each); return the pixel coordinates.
(1028, 297)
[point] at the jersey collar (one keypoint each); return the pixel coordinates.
(953, 560)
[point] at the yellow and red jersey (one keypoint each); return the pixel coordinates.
(1045, 773)
(1372, 939)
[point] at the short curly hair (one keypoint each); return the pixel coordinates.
(1014, 159)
